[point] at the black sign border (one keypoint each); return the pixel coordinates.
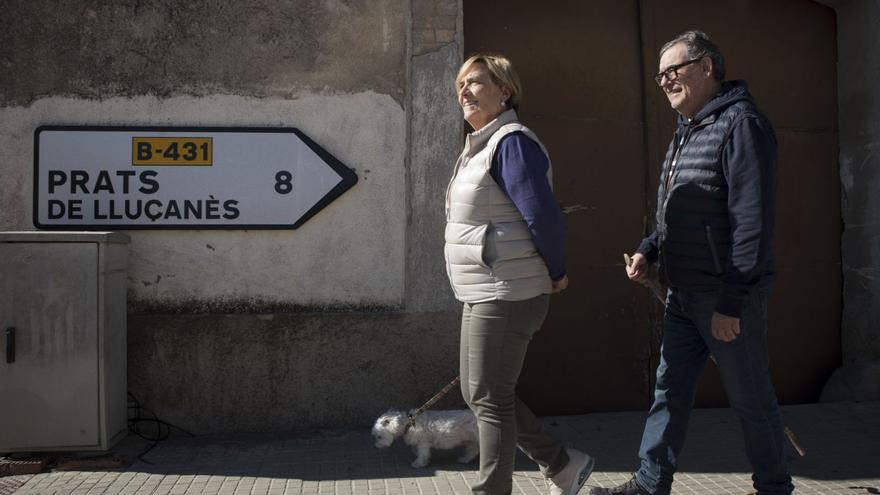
(349, 177)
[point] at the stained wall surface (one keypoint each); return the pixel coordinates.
(264, 329)
(858, 46)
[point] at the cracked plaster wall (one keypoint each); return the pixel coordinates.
(858, 32)
(334, 69)
(262, 48)
(225, 326)
(859, 38)
(435, 142)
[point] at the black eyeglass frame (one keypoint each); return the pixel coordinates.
(671, 72)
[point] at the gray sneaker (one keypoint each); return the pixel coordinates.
(628, 488)
(571, 479)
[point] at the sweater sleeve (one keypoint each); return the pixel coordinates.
(749, 162)
(649, 248)
(520, 168)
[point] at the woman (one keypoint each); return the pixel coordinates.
(504, 251)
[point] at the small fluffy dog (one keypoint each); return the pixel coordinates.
(433, 430)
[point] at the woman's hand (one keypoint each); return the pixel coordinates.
(560, 285)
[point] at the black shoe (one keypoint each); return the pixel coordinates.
(628, 488)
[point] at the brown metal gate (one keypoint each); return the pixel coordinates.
(586, 69)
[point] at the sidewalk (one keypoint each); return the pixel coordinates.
(842, 442)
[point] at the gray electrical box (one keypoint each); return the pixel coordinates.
(63, 326)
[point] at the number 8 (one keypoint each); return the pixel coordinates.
(283, 183)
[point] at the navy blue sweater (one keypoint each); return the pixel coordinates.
(520, 167)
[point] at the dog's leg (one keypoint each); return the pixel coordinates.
(471, 451)
(423, 455)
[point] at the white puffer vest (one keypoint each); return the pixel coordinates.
(489, 250)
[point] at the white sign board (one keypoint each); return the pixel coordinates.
(172, 177)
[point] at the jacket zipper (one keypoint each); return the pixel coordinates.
(667, 185)
(671, 180)
(677, 154)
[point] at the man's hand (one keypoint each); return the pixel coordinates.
(638, 269)
(725, 328)
(560, 285)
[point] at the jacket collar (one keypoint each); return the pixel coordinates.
(475, 141)
(730, 92)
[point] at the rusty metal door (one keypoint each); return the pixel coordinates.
(586, 69)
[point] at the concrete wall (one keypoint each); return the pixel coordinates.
(323, 326)
(858, 35)
(288, 371)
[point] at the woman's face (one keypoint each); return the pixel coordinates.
(480, 98)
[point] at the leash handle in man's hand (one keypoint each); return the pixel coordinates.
(645, 276)
(724, 328)
(636, 268)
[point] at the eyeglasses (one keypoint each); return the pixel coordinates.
(672, 72)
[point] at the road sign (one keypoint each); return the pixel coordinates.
(99, 178)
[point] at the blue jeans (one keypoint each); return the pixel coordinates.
(744, 368)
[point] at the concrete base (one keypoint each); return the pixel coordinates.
(853, 382)
(292, 372)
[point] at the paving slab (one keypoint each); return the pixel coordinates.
(842, 442)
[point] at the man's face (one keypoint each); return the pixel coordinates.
(693, 87)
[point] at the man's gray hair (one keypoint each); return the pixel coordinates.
(698, 46)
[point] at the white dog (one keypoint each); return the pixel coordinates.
(433, 430)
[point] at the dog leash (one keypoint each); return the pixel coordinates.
(433, 400)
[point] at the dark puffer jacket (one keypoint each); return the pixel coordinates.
(715, 220)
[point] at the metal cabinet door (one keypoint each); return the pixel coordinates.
(49, 394)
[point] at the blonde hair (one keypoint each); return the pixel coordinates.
(502, 71)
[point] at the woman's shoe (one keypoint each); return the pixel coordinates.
(573, 476)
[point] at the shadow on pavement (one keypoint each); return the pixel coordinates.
(841, 442)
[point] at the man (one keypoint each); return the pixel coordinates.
(715, 213)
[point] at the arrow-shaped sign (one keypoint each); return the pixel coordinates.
(99, 178)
